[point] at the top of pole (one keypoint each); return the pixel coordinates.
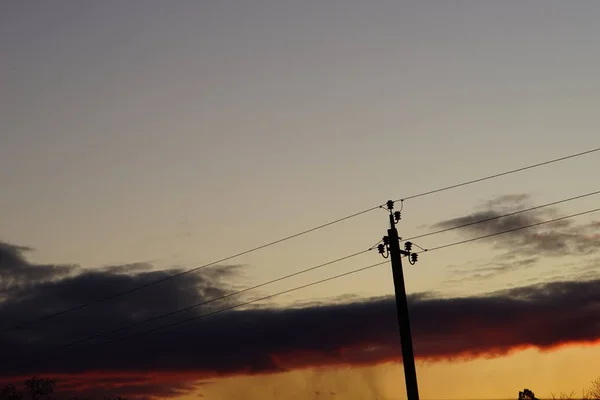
(390, 205)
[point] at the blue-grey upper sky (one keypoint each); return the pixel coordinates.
(184, 131)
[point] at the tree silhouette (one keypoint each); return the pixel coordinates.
(40, 388)
(10, 393)
(593, 392)
(564, 396)
(527, 394)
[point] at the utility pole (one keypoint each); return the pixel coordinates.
(391, 248)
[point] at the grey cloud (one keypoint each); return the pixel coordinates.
(510, 201)
(31, 291)
(272, 339)
(17, 274)
(481, 272)
(266, 340)
(559, 238)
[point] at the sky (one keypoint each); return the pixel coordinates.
(145, 138)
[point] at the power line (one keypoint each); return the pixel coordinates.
(105, 333)
(209, 314)
(308, 285)
(504, 215)
(203, 303)
(137, 288)
(511, 230)
(501, 174)
(285, 277)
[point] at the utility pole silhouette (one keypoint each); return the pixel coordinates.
(391, 248)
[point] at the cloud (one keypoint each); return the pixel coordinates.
(268, 340)
(560, 238)
(510, 201)
(17, 274)
(30, 291)
(491, 270)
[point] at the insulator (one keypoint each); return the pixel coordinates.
(397, 215)
(386, 240)
(381, 248)
(390, 205)
(414, 257)
(408, 246)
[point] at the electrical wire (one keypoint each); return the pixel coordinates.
(137, 288)
(500, 174)
(197, 317)
(203, 303)
(132, 325)
(504, 215)
(510, 230)
(229, 308)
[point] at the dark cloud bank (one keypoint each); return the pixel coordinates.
(360, 332)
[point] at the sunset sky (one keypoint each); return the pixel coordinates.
(143, 138)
